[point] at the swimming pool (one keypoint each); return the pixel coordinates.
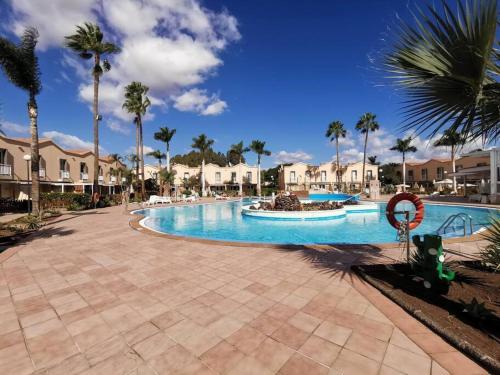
(224, 221)
(332, 197)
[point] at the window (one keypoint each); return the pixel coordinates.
(424, 174)
(3, 156)
(410, 175)
(369, 175)
(354, 175)
(440, 173)
(323, 176)
(62, 164)
(249, 177)
(308, 176)
(217, 176)
(292, 177)
(186, 175)
(83, 168)
(233, 177)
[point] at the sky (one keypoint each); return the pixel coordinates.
(278, 71)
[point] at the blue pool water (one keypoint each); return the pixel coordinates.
(224, 221)
(331, 197)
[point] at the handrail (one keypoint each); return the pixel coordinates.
(452, 218)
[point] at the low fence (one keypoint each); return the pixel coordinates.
(9, 205)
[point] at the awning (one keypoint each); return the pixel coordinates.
(474, 171)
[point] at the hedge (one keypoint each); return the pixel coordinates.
(64, 200)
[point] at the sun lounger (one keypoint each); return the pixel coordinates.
(156, 199)
(190, 198)
(220, 197)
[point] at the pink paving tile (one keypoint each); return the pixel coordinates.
(225, 326)
(351, 363)
(290, 336)
(140, 333)
(320, 350)
(406, 361)
(15, 360)
(246, 339)
(333, 333)
(367, 346)
(299, 364)
(305, 322)
(249, 366)
(222, 357)
(266, 324)
(153, 345)
(457, 363)
(273, 354)
(167, 319)
(172, 361)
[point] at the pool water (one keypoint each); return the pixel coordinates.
(332, 197)
(224, 221)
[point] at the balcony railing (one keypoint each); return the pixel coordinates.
(84, 176)
(5, 170)
(113, 179)
(101, 178)
(64, 175)
(41, 173)
(124, 179)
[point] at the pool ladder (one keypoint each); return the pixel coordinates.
(466, 219)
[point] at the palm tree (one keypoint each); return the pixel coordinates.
(158, 155)
(238, 150)
(259, 148)
(20, 65)
(404, 146)
(446, 64)
(137, 103)
(168, 178)
(88, 42)
(373, 160)
(165, 135)
(134, 160)
(202, 143)
(366, 124)
(336, 131)
(453, 139)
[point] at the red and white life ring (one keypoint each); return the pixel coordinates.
(419, 206)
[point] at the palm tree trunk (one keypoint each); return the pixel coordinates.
(168, 157)
(338, 162)
(203, 192)
(364, 162)
(143, 183)
(241, 179)
(96, 129)
(137, 146)
(404, 172)
(35, 158)
(453, 168)
(259, 189)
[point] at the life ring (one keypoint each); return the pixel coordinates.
(419, 206)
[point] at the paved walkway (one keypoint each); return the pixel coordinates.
(90, 295)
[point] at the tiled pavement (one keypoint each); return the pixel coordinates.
(90, 295)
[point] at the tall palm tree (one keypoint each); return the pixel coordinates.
(365, 125)
(373, 160)
(259, 148)
(165, 135)
(446, 64)
(202, 143)
(158, 155)
(334, 132)
(88, 42)
(137, 103)
(20, 65)
(168, 178)
(453, 139)
(404, 146)
(134, 160)
(238, 150)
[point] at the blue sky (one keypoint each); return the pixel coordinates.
(278, 71)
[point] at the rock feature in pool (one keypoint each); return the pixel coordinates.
(289, 207)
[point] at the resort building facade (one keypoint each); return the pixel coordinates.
(428, 172)
(301, 176)
(60, 170)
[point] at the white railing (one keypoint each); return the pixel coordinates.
(41, 173)
(5, 170)
(101, 178)
(84, 176)
(64, 174)
(124, 179)
(113, 179)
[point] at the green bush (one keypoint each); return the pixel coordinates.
(64, 200)
(490, 255)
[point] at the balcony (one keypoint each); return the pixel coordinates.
(113, 179)
(84, 176)
(64, 175)
(5, 170)
(101, 178)
(124, 179)
(41, 173)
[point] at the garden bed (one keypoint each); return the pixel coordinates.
(476, 336)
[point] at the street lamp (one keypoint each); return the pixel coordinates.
(27, 157)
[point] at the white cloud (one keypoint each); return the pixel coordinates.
(132, 150)
(118, 127)
(11, 127)
(196, 100)
(169, 45)
(70, 142)
(291, 157)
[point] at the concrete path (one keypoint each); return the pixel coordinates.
(90, 295)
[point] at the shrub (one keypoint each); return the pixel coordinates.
(64, 200)
(8, 205)
(490, 255)
(32, 222)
